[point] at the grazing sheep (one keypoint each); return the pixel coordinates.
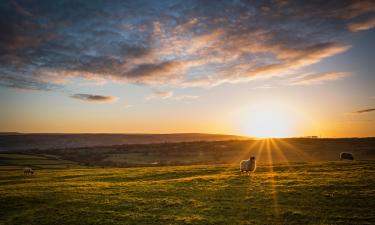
(248, 165)
(28, 170)
(346, 155)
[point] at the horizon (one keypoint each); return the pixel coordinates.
(195, 133)
(277, 69)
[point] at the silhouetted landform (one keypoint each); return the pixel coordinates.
(9, 133)
(17, 141)
(269, 151)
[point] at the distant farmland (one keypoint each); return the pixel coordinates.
(20, 141)
(19, 161)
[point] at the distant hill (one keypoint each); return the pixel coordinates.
(267, 151)
(18, 141)
(9, 133)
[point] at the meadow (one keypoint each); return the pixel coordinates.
(12, 161)
(266, 151)
(337, 192)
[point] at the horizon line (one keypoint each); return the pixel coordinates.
(178, 133)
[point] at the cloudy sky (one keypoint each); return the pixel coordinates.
(187, 66)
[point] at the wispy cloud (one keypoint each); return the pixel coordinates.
(185, 97)
(359, 26)
(94, 98)
(355, 9)
(364, 111)
(128, 106)
(159, 95)
(169, 95)
(183, 43)
(264, 86)
(313, 79)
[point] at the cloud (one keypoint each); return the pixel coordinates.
(156, 73)
(169, 95)
(128, 106)
(94, 98)
(20, 82)
(364, 111)
(147, 70)
(356, 8)
(360, 26)
(185, 97)
(45, 45)
(264, 86)
(159, 95)
(312, 79)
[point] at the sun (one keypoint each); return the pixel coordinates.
(268, 121)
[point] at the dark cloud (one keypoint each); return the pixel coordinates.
(25, 83)
(364, 111)
(150, 70)
(356, 8)
(94, 98)
(44, 44)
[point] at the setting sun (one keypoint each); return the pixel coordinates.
(269, 121)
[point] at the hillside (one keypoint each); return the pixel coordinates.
(267, 151)
(18, 141)
(19, 161)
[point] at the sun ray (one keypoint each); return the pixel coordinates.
(245, 153)
(278, 150)
(290, 168)
(301, 154)
(260, 151)
(272, 175)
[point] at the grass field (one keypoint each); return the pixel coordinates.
(266, 151)
(300, 193)
(19, 161)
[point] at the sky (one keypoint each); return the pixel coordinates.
(259, 68)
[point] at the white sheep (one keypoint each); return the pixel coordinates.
(248, 165)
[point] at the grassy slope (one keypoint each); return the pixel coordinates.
(195, 153)
(19, 161)
(316, 193)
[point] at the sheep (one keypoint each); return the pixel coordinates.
(28, 170)
(248, 165)
(346, 155)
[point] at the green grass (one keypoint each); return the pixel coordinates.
(19, 161)
(315, 193)
(216, 152)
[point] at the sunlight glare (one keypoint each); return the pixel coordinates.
(268, 121)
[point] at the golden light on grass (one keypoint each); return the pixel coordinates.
(301, 154)
(279, 151)
(272, 176)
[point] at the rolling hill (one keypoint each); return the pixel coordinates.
(18, 141)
